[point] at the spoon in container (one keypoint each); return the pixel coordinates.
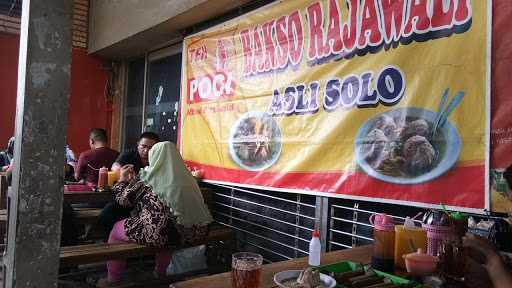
(442, 117)
(451, 106)
(439, 112)
(436, 121)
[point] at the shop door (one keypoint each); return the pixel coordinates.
(163, 94)
(134, 103)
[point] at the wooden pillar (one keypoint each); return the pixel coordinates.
(33, 246)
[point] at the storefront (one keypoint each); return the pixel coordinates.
(319, 172)
(306, 115)
(152, 100)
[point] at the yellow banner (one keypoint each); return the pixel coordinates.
(372, 99)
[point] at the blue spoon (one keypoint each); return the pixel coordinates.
(443, 116)
(451, 106)
(439, 112)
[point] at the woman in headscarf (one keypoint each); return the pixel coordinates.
(169, 208)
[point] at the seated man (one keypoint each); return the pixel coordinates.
(7, 155)
(138, 157)
(90, 162)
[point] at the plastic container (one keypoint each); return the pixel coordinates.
(384, 242)
(436, 236)
(408, 238)
(438, 225)
(113, 177)
(315, 248)
(420, 264)
(78, 187)
(499, 232)
(102, 178)
(460, 224)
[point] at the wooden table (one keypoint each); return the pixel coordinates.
(360, 254)
(77, 197)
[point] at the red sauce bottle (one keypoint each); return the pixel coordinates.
(384, 242)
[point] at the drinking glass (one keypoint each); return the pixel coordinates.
(246, 270)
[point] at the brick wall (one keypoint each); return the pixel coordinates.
(80, 23)
(11, 25)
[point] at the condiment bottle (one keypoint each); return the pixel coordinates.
(383, 242)
(452, 252)
(102, 178)
(460, 224)
(315, 248)
(438, 225)
(408, 238)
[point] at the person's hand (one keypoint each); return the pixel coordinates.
(483, 251)
(480, 249)
(116, 167)
(127, 173)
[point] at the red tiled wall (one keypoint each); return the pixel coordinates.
(9, 46)
(501, 102)
(88, 105)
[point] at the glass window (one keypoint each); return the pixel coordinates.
(163, 94)
(132, 124)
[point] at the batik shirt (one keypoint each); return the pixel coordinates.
(153, 223)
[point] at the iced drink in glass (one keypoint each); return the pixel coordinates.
(246, 270)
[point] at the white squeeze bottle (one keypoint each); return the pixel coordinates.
(315, 248)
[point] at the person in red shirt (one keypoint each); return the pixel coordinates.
(99, 156)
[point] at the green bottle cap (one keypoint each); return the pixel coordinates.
(457, 215)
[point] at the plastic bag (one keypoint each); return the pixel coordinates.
(188, 260)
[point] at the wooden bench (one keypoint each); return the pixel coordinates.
(219, 239)
(3, 215)
(88, 214)
(91, 253)
(3, 191)
(83, 214)
(77, 197)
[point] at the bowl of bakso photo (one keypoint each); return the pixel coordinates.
(399, 146)
(255, 141)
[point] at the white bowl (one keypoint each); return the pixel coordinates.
(276, 138)
(282, 276)
(447, 160)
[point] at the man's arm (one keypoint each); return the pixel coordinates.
(80, 166)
